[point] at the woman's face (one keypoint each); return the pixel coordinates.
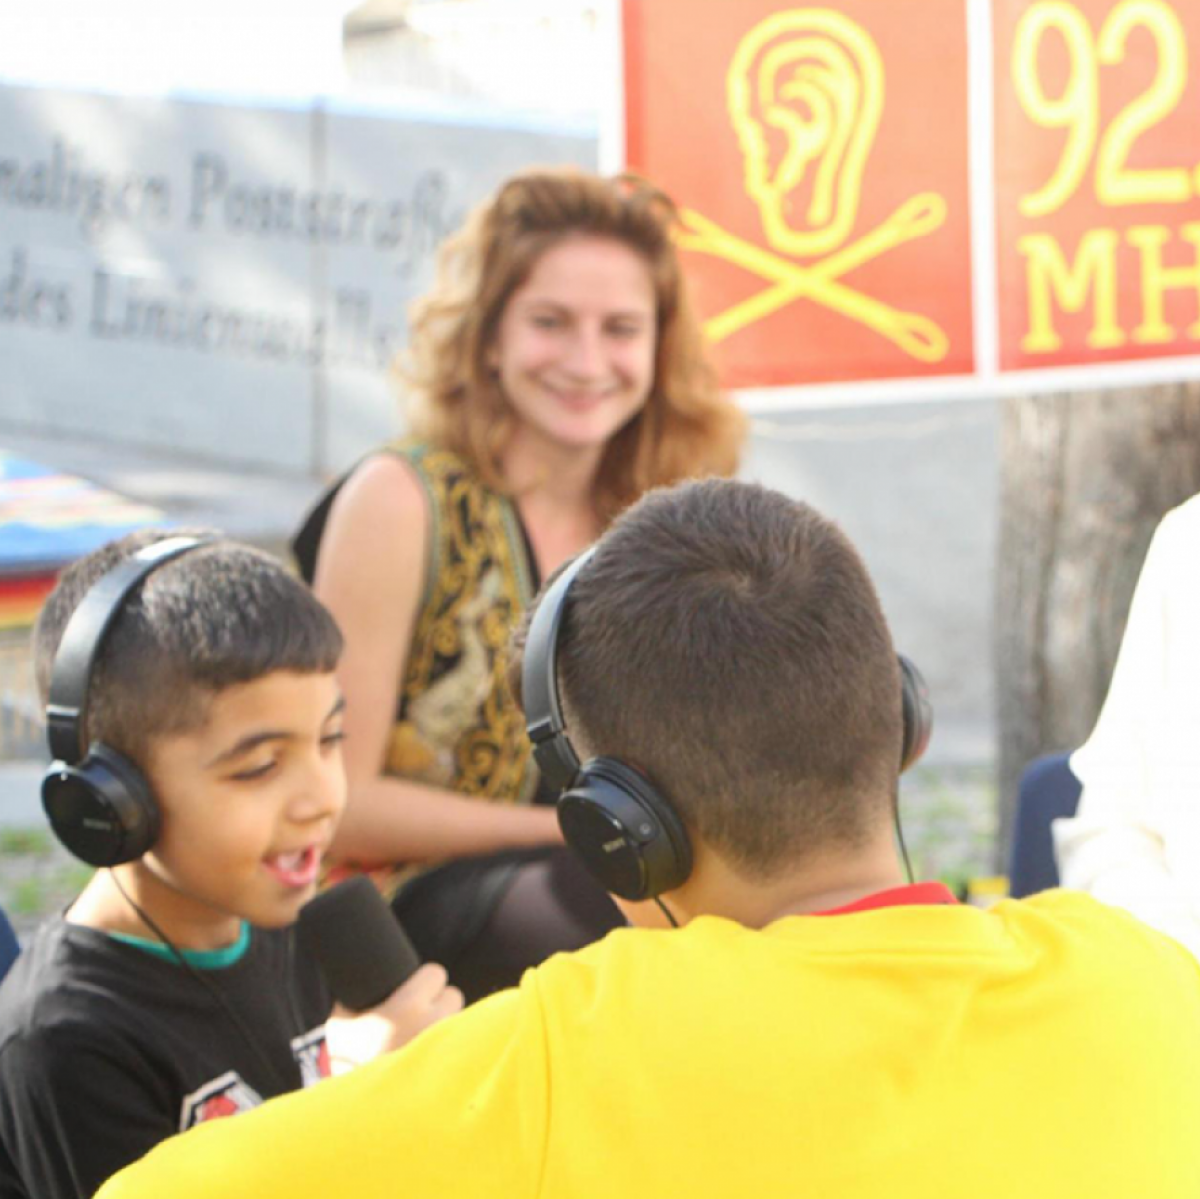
(575, 346)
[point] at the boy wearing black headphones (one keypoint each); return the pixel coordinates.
(196, 722)
(717, 684)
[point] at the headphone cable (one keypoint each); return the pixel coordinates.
(272, 1068)
(908, 870)
(666, 911)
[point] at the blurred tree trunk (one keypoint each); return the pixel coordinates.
(1085, 479)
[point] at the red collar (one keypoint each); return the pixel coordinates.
(895, 897)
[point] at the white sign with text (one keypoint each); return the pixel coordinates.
(227, 280)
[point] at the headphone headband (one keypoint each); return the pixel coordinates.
(84, 636)
(626, 834)
(552, 750)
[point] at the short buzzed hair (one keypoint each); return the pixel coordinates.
(216, 616)
(728, 641)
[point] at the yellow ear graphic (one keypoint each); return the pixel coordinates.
(805, 92)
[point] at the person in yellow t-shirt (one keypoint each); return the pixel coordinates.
(813, 1025)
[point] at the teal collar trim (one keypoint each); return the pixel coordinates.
(201, 959)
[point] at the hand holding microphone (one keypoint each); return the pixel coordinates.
(384, 995)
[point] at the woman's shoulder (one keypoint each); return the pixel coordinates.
(385, 486)
(380, 493)
(371, 532)
(398, 492)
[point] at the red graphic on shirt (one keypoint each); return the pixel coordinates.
(226, 1095)
(214, 1109)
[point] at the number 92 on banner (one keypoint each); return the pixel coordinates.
(1097, 156)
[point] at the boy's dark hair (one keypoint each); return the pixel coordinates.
(216, 616)
(728, 641)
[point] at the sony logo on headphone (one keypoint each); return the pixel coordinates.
(103, 826)
(613, 845)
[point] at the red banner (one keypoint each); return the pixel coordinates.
(1097, 145)
(819, 156)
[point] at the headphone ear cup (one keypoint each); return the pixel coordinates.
(102, 809)
(626, 833)
(918, 714)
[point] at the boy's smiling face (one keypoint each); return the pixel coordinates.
(249, 802)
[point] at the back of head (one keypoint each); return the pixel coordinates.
(687, 426)
(728, 641)
(214, 617)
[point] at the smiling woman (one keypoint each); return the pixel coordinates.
(556, 372)
(574, 350)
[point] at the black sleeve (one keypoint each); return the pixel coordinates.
(74, 1111)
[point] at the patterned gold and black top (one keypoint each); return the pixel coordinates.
(457, 725)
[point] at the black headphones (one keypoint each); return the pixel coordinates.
(98, 802)
(611, 815)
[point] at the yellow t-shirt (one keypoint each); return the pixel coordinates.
(1044, 1049)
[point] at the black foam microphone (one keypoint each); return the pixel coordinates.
(361, 948)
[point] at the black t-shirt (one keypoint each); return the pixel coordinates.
(105, 1050)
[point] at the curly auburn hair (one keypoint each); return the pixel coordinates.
(687, 427)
